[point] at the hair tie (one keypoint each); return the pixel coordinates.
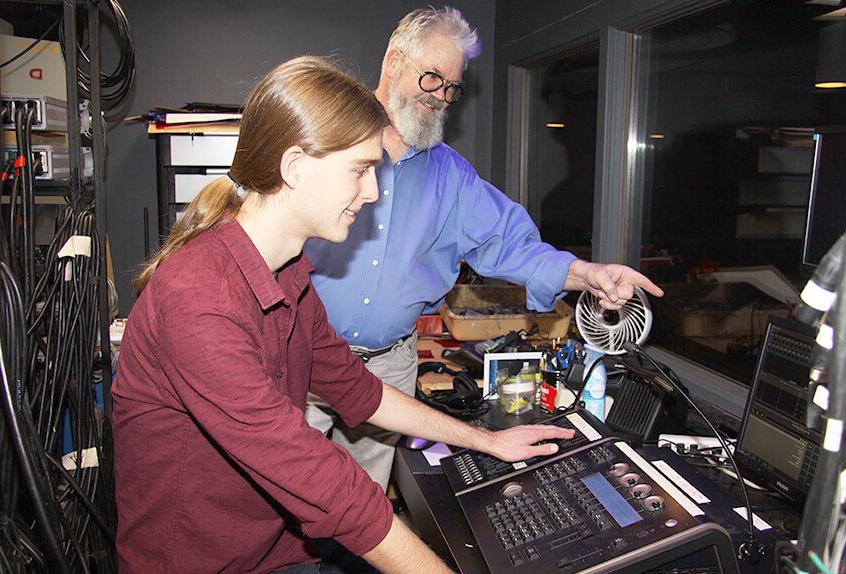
(239, 189)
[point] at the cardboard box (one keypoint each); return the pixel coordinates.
(41, 72)
(724, 310)
(466, 312)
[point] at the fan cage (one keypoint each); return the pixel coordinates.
(634, 321)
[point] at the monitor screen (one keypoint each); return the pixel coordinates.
(827, 203)
(783, 451)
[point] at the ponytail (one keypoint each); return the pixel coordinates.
(217, 200)
(307, 101)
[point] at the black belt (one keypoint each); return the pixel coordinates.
(367, 354)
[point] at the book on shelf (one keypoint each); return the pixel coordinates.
(210, 107)
(191, 113)
(159, 117)
(230, 127)
(199, 117)
(193, 117)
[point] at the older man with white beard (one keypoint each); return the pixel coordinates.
(403, 253)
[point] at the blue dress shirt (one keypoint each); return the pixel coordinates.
(404, 251)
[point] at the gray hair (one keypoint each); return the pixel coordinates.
(415, 29)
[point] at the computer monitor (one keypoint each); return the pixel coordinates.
(827, 203)
(775, 447)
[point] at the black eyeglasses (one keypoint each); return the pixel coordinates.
(433, 81)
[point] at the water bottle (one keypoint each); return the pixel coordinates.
(593, 394)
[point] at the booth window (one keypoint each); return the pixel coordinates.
(561, 171)
(730, 109)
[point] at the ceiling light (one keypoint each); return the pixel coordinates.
(831, 65)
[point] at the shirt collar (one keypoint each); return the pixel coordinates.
(413, 151)
(289, 283)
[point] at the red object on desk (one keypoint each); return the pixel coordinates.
(430, 325)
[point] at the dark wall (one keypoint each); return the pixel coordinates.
(215, 50)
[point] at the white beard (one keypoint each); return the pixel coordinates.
(416, 127)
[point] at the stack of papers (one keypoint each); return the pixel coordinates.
(193, 117)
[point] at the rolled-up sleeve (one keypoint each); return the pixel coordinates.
(219, 376)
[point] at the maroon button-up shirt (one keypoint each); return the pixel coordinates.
(216, 469)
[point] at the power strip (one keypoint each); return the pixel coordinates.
(50, 113)
(687, 444)
(54, 162)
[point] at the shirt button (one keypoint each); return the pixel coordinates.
(279, 374)
(386, 192)
(375, 262)
(366, 301)
(355, 334)
(380, 226)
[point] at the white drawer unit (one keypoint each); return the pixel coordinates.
(186, 163)
(186, 186)
(202, 150)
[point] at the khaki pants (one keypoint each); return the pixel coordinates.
(371, 446)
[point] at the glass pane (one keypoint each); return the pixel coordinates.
(728, 151)
(561, 177)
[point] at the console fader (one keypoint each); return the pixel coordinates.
(599, 507)
(467, 468)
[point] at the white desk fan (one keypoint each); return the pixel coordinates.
(642, 402)
(608, 330)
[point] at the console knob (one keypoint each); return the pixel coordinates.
(512, 489)
(641, 491)
(619, 469)
(653, 503)
(630, 479)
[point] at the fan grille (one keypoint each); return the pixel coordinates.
(609, 330)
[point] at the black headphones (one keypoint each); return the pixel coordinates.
(465, 400)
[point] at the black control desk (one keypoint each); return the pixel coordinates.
(438, 515)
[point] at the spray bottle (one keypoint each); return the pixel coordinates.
(593, 394)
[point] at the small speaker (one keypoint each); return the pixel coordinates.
(646, 406)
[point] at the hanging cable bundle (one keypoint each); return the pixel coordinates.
(62, 383)
(52, 348)
(116, 84)
(56, 497)
(19, 546)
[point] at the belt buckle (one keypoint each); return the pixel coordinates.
(364, 355)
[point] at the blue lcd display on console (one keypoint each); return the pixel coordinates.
(613, 502)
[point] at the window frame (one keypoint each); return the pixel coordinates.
(620, 191)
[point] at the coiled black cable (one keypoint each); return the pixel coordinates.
(56, 515)
(114, 85)
(60, 324)
(35, 42)
(13, 350)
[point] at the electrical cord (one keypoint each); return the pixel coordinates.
(114, 85)
(69, 293)
(586, 376)
(751, 550)
(5, 252)
(61, 323)
(24, 119)
(52, 519)
(23, 52)
(13, 391)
